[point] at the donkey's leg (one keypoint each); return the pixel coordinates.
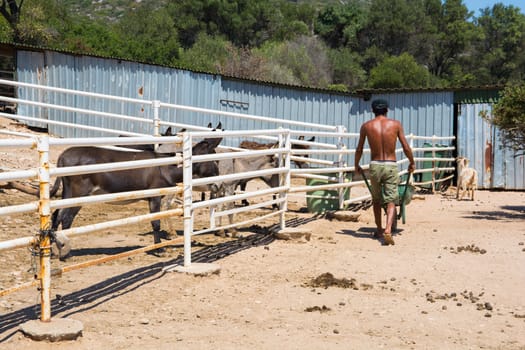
(66, 216)
(154, 207)
(54, 220)
(242, 186)
(274, 182)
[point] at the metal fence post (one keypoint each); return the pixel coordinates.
(340, 163)
(44, 211)
(433, 163)
(284, 141)
(188, 192)
(156, 119)
(411, 145)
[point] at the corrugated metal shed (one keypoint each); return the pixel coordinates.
(284, 103)
(116, 78)
(479, 141)
(424, 112)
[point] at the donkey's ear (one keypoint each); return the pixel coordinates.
(301, 137)
(209, 125)
(312, 139)
(168, 132)
(219, 126)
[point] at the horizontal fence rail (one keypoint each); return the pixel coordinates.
(327, 164)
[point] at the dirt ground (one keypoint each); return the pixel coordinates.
(453, 280)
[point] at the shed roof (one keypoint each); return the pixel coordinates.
(463, 94)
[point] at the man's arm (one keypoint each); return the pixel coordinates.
(359, 149)
(406, 149)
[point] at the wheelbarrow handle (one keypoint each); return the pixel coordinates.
(406, 188)
(366, 181)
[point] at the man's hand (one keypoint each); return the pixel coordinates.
(359, 169)
(411, 167)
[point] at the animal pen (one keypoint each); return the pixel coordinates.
(328, 161)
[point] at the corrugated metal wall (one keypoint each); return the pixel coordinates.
(480, 142)
(423, 113)
(427, 113)
(117, 78)
(287, 104)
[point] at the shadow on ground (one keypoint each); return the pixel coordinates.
(366, 232)
(97, 294)
(508, 212)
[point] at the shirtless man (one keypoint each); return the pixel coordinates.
(382, 134)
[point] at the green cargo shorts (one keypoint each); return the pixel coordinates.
(384, 178)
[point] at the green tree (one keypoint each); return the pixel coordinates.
(453, 37)
(207, 54)
(303, 60)
(245, 23)
(32, 21)
(276, 68)
(399, 72)
(188, 18)
(11, 11)
(509, 117)
(346, 68)
(341, 24)
(148, 34)
(82, 34)
(391, 25)
(499, 51)
(396, 27)
(294, 20)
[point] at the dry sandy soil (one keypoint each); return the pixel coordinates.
(453, 280)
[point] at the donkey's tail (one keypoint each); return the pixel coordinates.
(55, 187)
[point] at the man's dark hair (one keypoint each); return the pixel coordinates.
(380, 106)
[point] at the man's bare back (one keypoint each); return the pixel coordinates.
(382, 134)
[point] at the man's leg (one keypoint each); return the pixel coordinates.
(377, 197)
(391, 181)
(390, 217)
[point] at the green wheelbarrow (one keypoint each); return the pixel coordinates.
(405, 191)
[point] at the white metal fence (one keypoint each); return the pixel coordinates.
(328, 162)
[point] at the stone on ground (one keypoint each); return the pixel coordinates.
(294, 234)
(197, 269)
(343, 215)
(55, 330)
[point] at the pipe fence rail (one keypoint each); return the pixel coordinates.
(327, 162)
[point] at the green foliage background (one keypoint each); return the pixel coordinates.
(509, 117)
(341, 45)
